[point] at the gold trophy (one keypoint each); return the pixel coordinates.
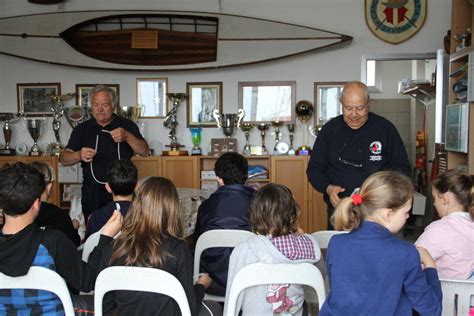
(246, 127)
(171, 122)
(304, 112)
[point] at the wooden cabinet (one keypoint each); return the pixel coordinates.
(291, 171)
(147, 166)
(183, 171)
(52, 161)
(462, 22)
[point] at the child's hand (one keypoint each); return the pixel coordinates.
(113, 225)
(426, 258)
(205, 280)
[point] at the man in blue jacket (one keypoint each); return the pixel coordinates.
(352, 146)
(227, 208)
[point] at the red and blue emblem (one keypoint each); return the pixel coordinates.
(395, 21)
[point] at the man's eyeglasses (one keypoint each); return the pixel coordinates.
(356, 164)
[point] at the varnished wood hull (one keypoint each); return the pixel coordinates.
(53, 38)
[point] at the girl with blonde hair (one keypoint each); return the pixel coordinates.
(151, 236)
(371, 271)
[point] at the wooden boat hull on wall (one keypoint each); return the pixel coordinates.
(65, 38)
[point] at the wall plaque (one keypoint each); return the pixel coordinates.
(395, 21)
(145, 39)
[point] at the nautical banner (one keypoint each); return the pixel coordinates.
(395, 21)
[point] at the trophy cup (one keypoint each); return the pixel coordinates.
(228, 122)
(58, 111)
(77, 114)
(304, 112)
(35, 128)
(280, 148)
(246, 127)
(171, 122)
(8, 118)
(196, 139)
(291, 131)
(132, 113)
(262, 127)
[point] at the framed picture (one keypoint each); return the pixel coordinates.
(151, 95)
(203, 99)
(83, 93)
(326, 100)
(267, 101)
(36, 98)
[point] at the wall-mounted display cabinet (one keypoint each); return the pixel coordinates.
(459, 136)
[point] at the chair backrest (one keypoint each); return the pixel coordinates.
(89, 245)
(262, 273)
(324, 236)
(456, 296)
(139, 279)
(40, 278)
(218, 238)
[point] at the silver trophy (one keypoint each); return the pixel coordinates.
(263, 128)
(35, 128)
(171, 122)
(291, 131)
(58, 112)
(280, 148)
(75, 115)
(246, 128)
(131, 112)
(8, 118)
(228, 121)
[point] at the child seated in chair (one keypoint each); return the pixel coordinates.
(24, 244)
(450, 240)
(51, 215)
(274, 217)
(121, 182)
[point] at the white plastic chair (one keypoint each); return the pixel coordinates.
(261, 274)
(89, 245)
(456, 296)
(324, 236)
(40, 278)
(139, 279)
(218, 238)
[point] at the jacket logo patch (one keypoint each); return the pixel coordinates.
(375, 147)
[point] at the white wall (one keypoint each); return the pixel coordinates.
(342, 16)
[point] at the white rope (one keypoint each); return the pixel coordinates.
(96, 146)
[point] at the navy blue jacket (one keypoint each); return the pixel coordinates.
(227, 208)
(374, 147)
(99, 217)
(372, 272)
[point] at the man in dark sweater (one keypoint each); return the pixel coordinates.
(352, 146)
(227, 208)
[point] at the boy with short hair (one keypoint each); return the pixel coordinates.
(24, 244)
(121, 182)
(227, 208)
